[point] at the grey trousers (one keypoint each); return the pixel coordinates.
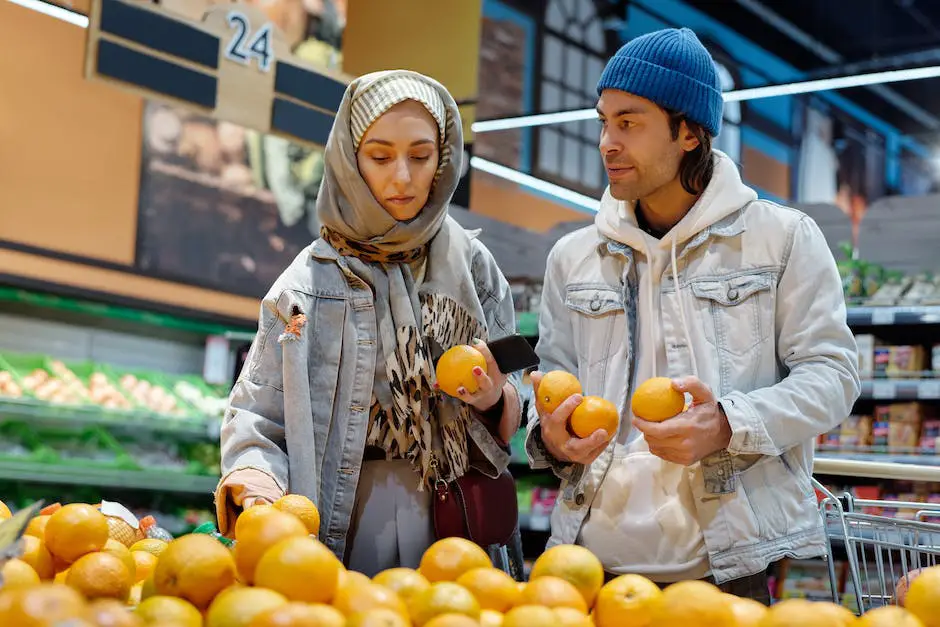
(391, 522)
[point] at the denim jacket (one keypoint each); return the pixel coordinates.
(768, 328)
(300, 408)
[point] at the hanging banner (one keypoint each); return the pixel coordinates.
(234, 66)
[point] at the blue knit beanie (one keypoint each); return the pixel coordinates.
(672, 68)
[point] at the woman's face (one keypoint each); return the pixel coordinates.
(398, 157)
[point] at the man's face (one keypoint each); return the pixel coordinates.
(637, 145)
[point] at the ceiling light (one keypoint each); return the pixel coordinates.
(754, 93)
(537, 184)
(55, 11)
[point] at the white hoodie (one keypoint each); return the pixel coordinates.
(643, 517)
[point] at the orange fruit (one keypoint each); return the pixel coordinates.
(627, 601)
(656, 400)
(922, 599)
(161, 609)
(351, 579)
(576, 565)
(494, 589)
(443, 597)
(550, 591)
(807, 614)
(111, 613)
(571, 617)
(889, 616)
(37, 527)
(36, 555)
(747, 612)
(75, 530)
(238, 606)
(259, 535)
(301, 507)
(449, 558)
(144, 565)
(118, 550)
(150, 545)
(42, 605)
(18, 574)
(380, 617)
(101, 576)
(406, 582)
(250, 514)
(531, 615)
(353, 598)
(5, 511)
(555, 388)
(301, 615)
(592, 414)
(194, 567)
(694, 603)
(455, 369)
(148, 588)
(452, 620)
(301, 568)
(491, 618)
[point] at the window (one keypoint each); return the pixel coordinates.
(573, 54)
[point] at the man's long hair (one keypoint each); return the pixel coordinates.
(696, 167)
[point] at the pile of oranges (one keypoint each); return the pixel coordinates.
(73, 573)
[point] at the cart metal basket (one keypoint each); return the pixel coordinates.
(881, 549)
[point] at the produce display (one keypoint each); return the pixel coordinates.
(87, 384)
(87, 565)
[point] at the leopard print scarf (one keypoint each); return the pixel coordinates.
(412, 424)
(369, 252)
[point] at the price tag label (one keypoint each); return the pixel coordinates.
(928, 389)
(539, 523)
(882, 390)
(882, 315)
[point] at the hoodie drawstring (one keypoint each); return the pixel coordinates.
(685, 324)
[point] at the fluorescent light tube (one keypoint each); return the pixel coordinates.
(55, 11)
(537, 184)
(754, 93)
(841, 82)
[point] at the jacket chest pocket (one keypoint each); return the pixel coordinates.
(737, 311)
(598, 321)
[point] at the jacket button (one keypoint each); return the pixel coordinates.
(733, 294)
(579, 499)
(596, 304)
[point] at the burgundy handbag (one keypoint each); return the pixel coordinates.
(476, 507)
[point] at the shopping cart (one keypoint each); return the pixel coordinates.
(880, 549)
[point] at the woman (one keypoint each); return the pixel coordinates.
(337, 399)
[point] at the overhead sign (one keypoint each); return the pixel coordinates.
(233, 66)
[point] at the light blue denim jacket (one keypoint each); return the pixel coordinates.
(300, 408)
(768, 328)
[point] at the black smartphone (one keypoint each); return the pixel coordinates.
(513, 353)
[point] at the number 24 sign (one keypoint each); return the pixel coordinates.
(246, 45)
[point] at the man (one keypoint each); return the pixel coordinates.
(686, 274)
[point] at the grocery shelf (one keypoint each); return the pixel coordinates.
(41, 414)
(878, 466)
(884, 316)
(107, 477)
(901, 389)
